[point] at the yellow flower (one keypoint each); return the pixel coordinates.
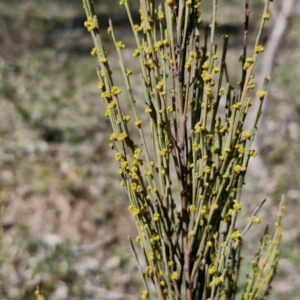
(136, 53)
(207, 90)
(221, 91)
(192, 208)
(113, 137)
(215, 206)
(246, 134)
(216, 69)
(160, 85)
(122, 136)
(195, 147)
(163, 152)
(124, 164)
(151, 255)
(145, 294)
(235, 235)
(205, 76)
(149, 271)
(237, 169)
(205, 65)
(157, 46)
(206, 169)
(111, 105)
(137, 27)
(171, 263)
(156, 217)
(251, 85)
(118, 156)
(259, 49)
(193, 54)
(91, 27)
(188, 63)
(256, 220)
(160, 15)
(115, 90)
(120, 45)
(237, 206)
(203, 209)
(175, 275)
(126, 118)
(133, 187)
(216, 281)
(38, 295)
(253, 153)
(133, 210)
(94, 51)
(261, 94)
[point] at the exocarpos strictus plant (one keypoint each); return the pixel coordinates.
(184, 180)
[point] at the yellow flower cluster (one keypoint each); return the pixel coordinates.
(133, 210)
(89, 24)
(261, 94)
(145, 294)
(154, 238)
(38, 294)
(216, 281)
(248, 63)
(149, 272)
(235, 235)
(259, 49)
(156, 217)
(120, 45)
(175, 276)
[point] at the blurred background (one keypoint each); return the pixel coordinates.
(64, 215)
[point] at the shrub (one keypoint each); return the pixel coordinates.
(183, 160)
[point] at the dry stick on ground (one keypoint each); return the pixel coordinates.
(257, 167)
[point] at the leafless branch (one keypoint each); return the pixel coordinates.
(257, 167)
